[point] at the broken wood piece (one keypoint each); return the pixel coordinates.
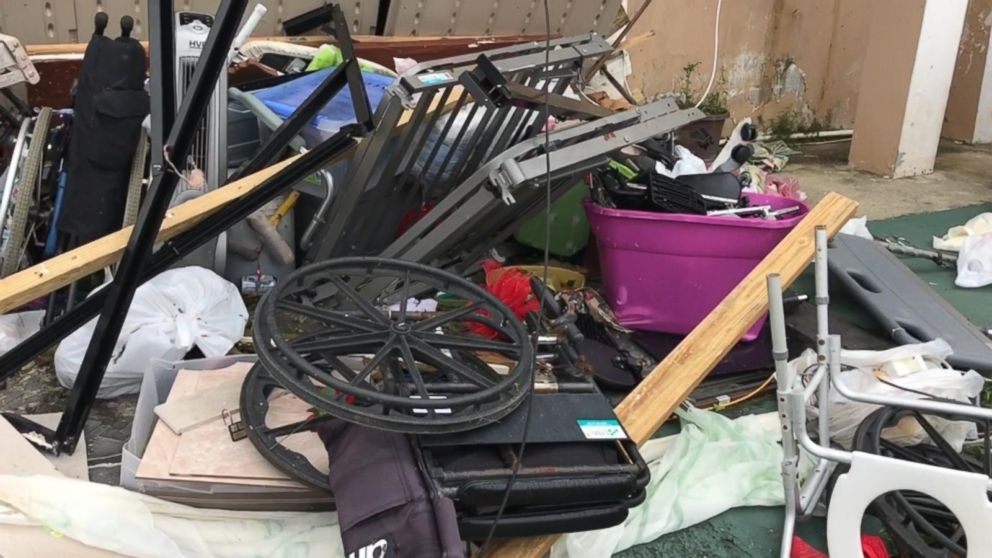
(65, 269)
(644, 410)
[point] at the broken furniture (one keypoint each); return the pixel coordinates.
(869, 476)
(905, 305)
(398, 170)
(440, 375)
(652, 402)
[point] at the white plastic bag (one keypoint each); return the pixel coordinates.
(15, 328)
(905, 370)
(857, 226)
(975, 262)
(955, 237)
(714, 464)
(173, 312)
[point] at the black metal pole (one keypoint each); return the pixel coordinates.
(162, 85)
(139, 246)
(359, 98)
(290, 127)
(179, 247)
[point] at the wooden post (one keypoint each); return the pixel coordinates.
(646, 408)
(905, 82)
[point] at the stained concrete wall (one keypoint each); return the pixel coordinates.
(969, 112)
(794, 61)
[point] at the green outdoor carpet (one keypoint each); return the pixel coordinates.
(756, 532)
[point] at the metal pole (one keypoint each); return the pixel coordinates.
(162, 64)
(140, 245)
(784, 379)
(822, 330)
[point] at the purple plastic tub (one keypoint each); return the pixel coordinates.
(666, 271)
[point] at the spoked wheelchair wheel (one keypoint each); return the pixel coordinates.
(17, 201)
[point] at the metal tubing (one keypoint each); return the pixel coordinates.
(814, 486)
(162, 85)
(139, 248)
(784, 379)
(822, 331)
(8, 184)
(922, 405)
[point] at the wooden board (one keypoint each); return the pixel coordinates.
(55, 273)
(644, 410)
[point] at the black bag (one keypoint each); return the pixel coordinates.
(386, 509)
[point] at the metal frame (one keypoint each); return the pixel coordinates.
(378, 188)
(138, 263)
(793, 398)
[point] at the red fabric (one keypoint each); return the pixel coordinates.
(871, 546)
(411, 217)
(512, 287)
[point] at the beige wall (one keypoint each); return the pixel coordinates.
(960, 119)
(795, 57)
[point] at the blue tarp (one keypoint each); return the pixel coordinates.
(284, 98)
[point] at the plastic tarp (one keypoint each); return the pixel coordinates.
(133, 524)
(284, 98)
(170, 314)
(714, 464)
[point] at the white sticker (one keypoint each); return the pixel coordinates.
(441, 411)
(608, 429)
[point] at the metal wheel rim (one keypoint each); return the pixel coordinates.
(26, 185)
(255, 391)
(357, 326)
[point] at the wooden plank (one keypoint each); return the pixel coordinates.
(456, 43)
(644, 410)
(64, 269)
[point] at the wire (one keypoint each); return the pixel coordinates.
(751, 394)
(547, 258)
(716, 51)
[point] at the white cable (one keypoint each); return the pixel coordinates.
(716, 51)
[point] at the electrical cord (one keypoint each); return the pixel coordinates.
(547, 257)
(716, 51)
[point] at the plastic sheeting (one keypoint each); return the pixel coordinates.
(170, 314)
(713, 465)
(975, 262)
(133, 524)
(15, 328)
(953, 241)
(893, 373)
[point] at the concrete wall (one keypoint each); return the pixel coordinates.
(969, 111)
(795, 62)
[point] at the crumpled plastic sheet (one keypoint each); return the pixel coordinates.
(918, 367)
(713, 465)
(133, 524)
(975, 262)
(954, 240)
(170, 314)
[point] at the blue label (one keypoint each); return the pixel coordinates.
(602, 429)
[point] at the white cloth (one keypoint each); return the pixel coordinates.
(713, 465)
(132, 524)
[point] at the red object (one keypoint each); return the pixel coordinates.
(871, 547)
(512, 288)
(412, 216)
